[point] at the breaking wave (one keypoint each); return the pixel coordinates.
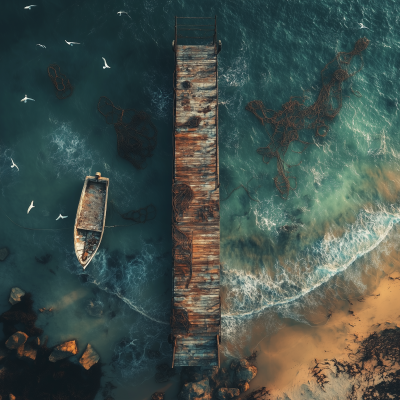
(251, 294)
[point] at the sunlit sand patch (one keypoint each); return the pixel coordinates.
(286, 357)
(387, 183)
(70, 298)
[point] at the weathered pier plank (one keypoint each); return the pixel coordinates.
(196, 302)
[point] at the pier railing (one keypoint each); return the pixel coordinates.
(196, 30)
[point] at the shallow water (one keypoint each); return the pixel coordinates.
(280, 259)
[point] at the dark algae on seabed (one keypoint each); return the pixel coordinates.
(136, 133)
(373, 370)
(296, 116)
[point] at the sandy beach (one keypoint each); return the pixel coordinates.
(286, 358)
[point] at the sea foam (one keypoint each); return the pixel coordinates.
(251, 294)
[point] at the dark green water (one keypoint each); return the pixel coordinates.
(280, 258)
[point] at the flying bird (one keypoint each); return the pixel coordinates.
(14, 165)
(30, 207)
(26, 98)
(362, 26)
(41, 45)
(123, 12)
(105, 63)
(71, 43)
(61, 216)
(29, 7)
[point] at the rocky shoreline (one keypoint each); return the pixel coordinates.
(200, 383)
(29, 370)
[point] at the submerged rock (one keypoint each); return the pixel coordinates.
(227, 393)
(3, 353)
(63, 350)
(44, 259)
(157, 396)
(89, 357)
(244, 386)
(16, 340)
(245, 372)
(95, 308)
(4, 253)
(15, 295)
(26, 351)
(196, 391)
(42, 378)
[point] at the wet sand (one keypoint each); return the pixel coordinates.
(286, 358)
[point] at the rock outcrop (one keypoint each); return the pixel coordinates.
(196, 391)
(227, 393)
(63, 350)
(26, 351)
(245, 372)
(16, 340)
(4, 253)
(157, 396)
(89, 357)
(3, 353)
(243, 387)
(63, 380)
(15, 295)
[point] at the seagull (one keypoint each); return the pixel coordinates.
(61, 216)
(30, 207)
(71, 43)
(362, 26)
(105, 63)
(14, 165)
(123, 12)
(41, 45)
(30, 7)
(26, 98)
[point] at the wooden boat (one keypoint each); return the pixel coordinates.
(90, 218)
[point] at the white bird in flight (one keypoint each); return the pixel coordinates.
(26, 98)
(30, 207)
(71, 43)
(14, 165)
(362, 26)
(105, 63)
(29, 7)
(61, 216)
(41, 45)
(123, 12)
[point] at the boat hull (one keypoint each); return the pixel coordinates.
(90, 218)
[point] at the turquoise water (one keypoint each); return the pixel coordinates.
(280, 259)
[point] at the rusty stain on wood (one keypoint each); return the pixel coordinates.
(196, 340)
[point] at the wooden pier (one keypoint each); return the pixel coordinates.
(196, 303)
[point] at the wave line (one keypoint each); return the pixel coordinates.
(318, 284)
